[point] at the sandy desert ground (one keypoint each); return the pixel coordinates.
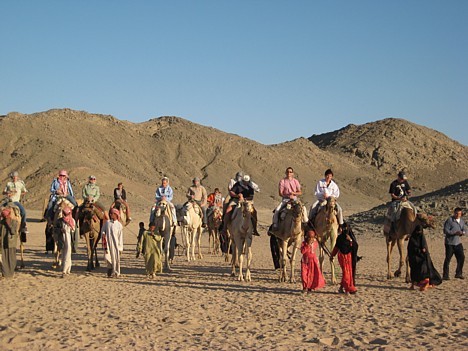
(199, 306)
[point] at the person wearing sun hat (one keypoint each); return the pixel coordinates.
(60, 186)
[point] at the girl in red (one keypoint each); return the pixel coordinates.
(344, 248)
(311, 275)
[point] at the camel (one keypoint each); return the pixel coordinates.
(119, 205)
(215, 215)
(194, 232)
(163, 220)
(326, 227)
(182, 221)
(289, 233)
(240, 228)
(403, 228)
(90, 226)
(54, 231)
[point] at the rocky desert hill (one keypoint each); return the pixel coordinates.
(139, 154)
(392, 144)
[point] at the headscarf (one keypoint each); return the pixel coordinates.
(115, 211)
(343, 242)
(68, 218)
(6, 212)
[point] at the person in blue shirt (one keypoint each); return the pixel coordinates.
(454, 229)
(60, 186)
(165, 192)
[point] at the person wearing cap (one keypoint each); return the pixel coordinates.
(91, 194)
(197, 193)
(400, 190)
(241, 191)
(112, 242)
(60, 186)
(165, 192)
(289, 189)
(14, 190)
(324, 189)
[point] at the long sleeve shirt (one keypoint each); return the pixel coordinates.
(167, 192)
(91, 190)
(16, 189)
(323, 189)
(198, 193)
(55, 186)
(451, 226)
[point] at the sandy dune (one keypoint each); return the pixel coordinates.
(200, 307)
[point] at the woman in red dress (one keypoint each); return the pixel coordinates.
(311, 275)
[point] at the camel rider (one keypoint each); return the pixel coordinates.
(400, 190)
(165, 192)
(120, 195)
(215, 199)
(289, 188)
(197, 193)
(13, 190)
(91, 194)
(326, 188)
(240, 191)
(60, 186)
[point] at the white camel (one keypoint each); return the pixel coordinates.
(194, 230)
(240, 228)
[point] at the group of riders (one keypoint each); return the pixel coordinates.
(240, 188)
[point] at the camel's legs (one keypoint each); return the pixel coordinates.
(292, 278)
(402, 261)
(248, 256)
(240, 257)
(332, 262)
(283, 262)
(390, 245)
(233, 258)
(199, 232)
(22, 254)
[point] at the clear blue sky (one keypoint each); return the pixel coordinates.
(268, 70)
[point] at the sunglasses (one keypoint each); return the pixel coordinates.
(290, 172)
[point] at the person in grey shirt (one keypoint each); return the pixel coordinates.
(454, 228)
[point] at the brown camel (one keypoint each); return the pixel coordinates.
(402, 229)
(215, 215)
(326, 227)
(90, 227)
(289, 233)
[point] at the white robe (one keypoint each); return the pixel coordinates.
(112, 231)
(67, 248)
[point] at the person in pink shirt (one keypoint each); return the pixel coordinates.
(289, 189)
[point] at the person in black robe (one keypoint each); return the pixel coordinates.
(346, 229)
(422, 271)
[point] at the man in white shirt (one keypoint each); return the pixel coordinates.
(13, 190)
(326, 188)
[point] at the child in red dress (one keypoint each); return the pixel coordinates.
(311, 275)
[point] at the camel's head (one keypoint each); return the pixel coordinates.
(217, 213)
(426, 220)
(331, 201)
(160, 208)
(247, 206)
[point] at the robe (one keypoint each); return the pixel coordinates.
(421, 266)
(9, 240)
(150, 245)
(67, 233)
(112, 238)
(344, 249)
(311, 275)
